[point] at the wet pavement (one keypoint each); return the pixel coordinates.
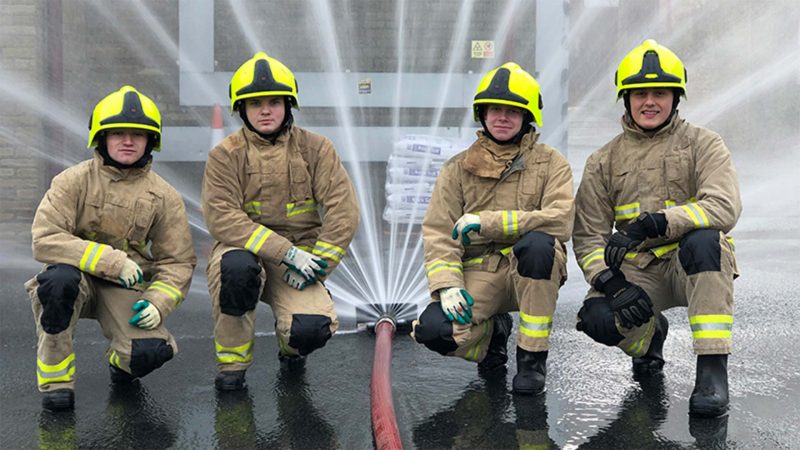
(592, 400)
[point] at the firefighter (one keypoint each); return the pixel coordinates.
(115, 241)
(653, 209)
(282, 210)
(494, 236)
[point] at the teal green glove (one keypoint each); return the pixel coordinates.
(131, 274)
(147, 315)
(456, 304)
(466, 224)
(295, 279)
(304, 263)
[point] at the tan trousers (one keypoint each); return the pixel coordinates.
(708, 295)
(502, 291)
(108, 303)
(235, 335)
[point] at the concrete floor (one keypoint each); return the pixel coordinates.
(592, 400)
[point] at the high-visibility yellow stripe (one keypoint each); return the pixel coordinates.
(440, 265)
(257, 239)
(596, 254)
(670, 203)
(56, 373)
(510, 223)
(172, 291)
(664, 249)
(113, 359)
(637, 348)
(697, 214)
(535, 326)
(711, 326)
(472, 354)
(327, 250)
(628, 211)
(240, 354)
(91, 256)
(253, 207)
(474, 261)
(294, 209)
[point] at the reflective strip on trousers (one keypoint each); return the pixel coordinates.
(113, 359)
(330, 251)
(628, 211)
(472, 354)
(440, 265)
(697, 214)
(62, 372)
(172, 291)
(535, 326)
(257, 239)
(294, 209)
(480, 259)
(637, 348)
(240, 354)
(510, 223)
(91, 256)
(712, 326)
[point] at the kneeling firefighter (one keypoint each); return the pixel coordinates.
(670, 191)
(494, 236)
(282, 210)
(115, 240)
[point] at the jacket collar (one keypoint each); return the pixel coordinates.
(630, 127)
(258, 141)
(485, 158)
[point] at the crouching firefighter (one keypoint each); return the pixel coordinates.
(671, 191)
(494, 236)
(115, 241)
(282, 210)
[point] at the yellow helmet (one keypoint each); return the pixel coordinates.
(650, 65)
(125, 108)
(262, 75)
(510, 85)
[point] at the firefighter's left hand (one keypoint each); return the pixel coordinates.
(147, 315)
(466, 224)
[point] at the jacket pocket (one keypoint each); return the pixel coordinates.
(676, 172)
(144, 213)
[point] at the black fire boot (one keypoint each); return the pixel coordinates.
(652, 362)
(58, 400)
(710, 395)
(497, 356)
(292, 362)
(531, 372)
(230, 381)
(119, 376)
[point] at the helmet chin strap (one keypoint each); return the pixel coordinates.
(288, 120)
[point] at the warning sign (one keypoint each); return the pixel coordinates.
(365, 86)
(482, 49)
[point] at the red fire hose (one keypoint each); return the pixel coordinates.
(384, 422)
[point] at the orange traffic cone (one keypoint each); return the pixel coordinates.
(217, 127)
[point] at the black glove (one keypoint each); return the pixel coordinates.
(647, 225)
(630, 302)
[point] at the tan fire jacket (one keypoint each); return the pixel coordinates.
(265, 198)
(533, 193)
(93, 217)
(683, 171)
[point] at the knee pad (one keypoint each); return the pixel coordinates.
(240, 283)
(535, 253)
(58, 289)
(148, 355)
(700, 251)
(597, 321)
(435, 331)
(309, 332)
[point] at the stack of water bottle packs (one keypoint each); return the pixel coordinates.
(411, 173)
